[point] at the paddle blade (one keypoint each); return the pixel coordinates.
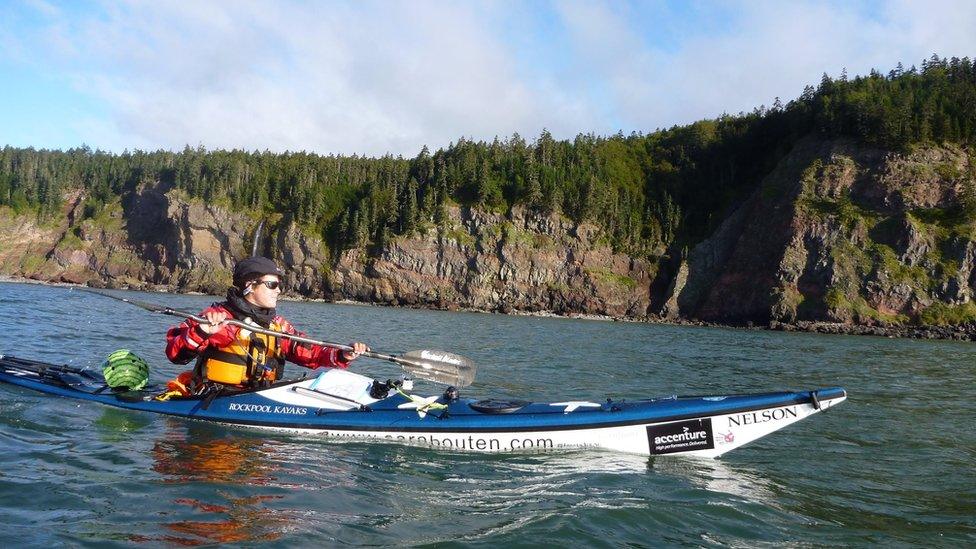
(439, 366)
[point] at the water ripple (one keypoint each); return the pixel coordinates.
(893, 465)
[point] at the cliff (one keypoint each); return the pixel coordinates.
(156, 239)
(485, 261)
(836, 232)
(839, 232)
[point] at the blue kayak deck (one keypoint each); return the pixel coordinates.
(253, 408)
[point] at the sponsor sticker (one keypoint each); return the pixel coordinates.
(267, 409)
(763, 416)
(681, 436)
(725, 438)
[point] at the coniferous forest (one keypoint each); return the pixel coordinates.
(646, 191)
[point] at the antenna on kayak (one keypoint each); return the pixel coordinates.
(257, 239)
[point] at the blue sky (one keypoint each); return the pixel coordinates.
(378, 77)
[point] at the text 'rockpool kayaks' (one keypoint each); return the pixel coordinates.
(342, 404)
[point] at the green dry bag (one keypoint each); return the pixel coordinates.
(125, 371)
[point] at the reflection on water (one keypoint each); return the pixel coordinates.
(116, 425)
(191, 454)
(486, 487)
(554, 473)
(583, 462)
(717, 475)
(247, 519)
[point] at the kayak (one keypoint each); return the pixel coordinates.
(345, 405)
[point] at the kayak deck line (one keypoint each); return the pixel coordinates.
(338, 404)
(612, 407)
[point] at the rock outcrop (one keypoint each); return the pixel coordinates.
(837, 233)
(520, 262)
(156, 239)
(841, 233)
(149, 239)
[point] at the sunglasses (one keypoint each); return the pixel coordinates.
(269, 284)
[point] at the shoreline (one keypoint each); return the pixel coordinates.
(965, 332)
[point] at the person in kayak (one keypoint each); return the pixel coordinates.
(231, 357)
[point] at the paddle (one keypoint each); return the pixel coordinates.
(436, 366)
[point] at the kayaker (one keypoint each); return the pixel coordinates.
(232, 357)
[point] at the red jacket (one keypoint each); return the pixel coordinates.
(185, 341)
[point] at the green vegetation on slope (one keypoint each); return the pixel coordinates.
(646, 191)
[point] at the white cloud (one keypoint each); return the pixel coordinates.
(375, 79)
(378, 77)
(764, 50)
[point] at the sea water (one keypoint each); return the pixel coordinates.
(891, 465)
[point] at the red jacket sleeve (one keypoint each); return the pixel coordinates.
(186, 340)
(308, 355)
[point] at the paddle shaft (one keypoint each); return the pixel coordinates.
(436, 366)
(284, 335)
(256, 329)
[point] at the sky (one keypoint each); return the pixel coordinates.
(373, 78)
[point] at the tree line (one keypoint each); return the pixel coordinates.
(646, 191)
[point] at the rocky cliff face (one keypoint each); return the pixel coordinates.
(842, 233)
(148, 239)
(154, 238)
(525, 262)
(836, 232)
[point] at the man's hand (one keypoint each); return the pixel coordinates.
(358, 348)
(216, 322)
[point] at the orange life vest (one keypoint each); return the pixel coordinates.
(249, 360)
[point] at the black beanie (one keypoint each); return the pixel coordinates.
(254, 267)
